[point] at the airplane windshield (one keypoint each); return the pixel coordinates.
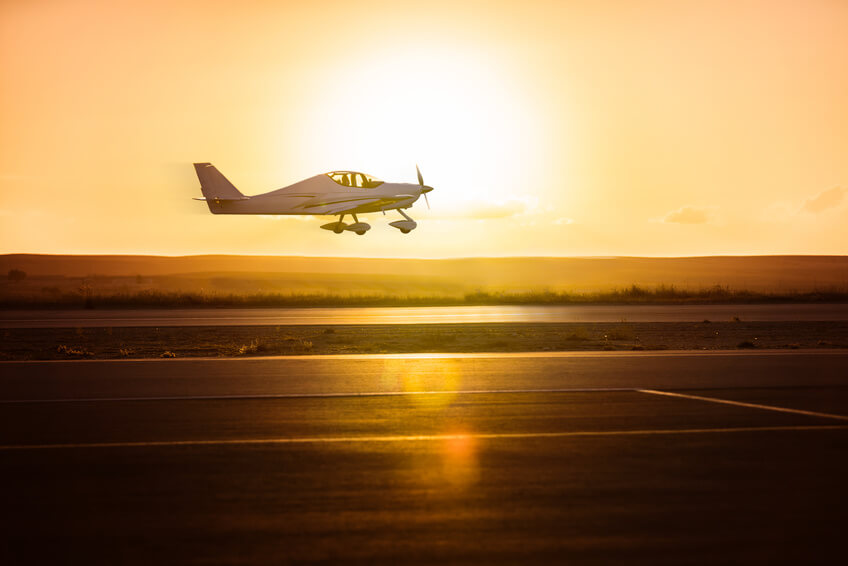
(354, 179)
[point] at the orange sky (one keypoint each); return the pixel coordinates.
(548, 128)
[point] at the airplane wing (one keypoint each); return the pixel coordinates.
(351, 205)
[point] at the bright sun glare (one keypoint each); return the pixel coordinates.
(457, 114)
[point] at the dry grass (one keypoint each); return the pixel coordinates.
(620, 332)
(202, 299)
(72, 352)
(245, 341)
(238, 281)
(242, 274)
(578, 334)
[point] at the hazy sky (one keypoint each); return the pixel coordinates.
(547, 128)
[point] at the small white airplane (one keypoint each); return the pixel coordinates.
(330, 194)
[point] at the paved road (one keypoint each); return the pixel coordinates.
(423, 315)
(363, 374)
(589, 459)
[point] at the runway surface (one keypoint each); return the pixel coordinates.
(644, 458)
(420, 315)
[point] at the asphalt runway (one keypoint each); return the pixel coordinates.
(419, 315)
(642, 458)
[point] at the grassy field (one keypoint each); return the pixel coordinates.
(108, 343)
(770, 274)
(34, 281)
(632, 295)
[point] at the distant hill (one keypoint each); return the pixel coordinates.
(296, 274)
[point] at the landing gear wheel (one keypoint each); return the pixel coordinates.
(360, 233)
(406, 225)
(340, 226)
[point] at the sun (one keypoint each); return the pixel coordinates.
(459, 114)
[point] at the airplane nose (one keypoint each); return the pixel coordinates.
(425, 189)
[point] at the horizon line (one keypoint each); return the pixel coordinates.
(443, 258)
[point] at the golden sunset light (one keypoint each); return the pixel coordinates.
(548, 128)
(472, 282)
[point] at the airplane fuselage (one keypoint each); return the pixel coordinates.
(337, 193)
(321, 196)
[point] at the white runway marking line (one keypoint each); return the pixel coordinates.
(414, 438)
(743, 404)
(317, 395)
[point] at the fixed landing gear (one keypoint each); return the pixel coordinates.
(405, 226)
(359, 228)
(338, 227)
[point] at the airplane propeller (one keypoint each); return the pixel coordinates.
(424, 188)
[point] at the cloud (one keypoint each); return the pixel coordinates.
(563, 221)
(486, 210)
(827, 199)
(687, 215)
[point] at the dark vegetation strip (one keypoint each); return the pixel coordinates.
(631, 295)
(105, 343)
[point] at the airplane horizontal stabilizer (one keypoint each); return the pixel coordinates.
(217, 199)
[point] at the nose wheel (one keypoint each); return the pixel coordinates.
(405, 226)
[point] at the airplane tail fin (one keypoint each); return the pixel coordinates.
(214, 185)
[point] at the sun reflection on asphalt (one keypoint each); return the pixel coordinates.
(460, 462)
(455, 463)
(415, 376)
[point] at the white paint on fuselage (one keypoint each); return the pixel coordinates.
(321, 196)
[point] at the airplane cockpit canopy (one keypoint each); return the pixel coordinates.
(354, 179)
